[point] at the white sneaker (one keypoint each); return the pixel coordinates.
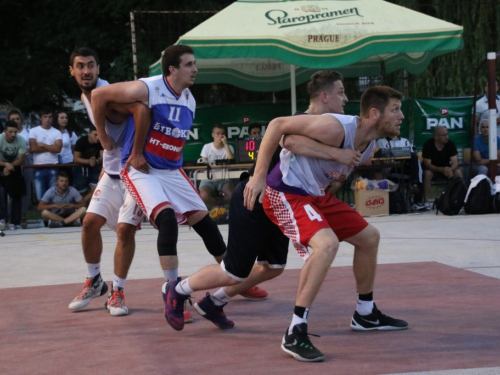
(2, 224)
(90, 290)
(116, 303)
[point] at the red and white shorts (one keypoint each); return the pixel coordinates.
(300, 217)
(162, 187)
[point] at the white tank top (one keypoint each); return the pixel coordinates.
(313, 175)
(111, 159)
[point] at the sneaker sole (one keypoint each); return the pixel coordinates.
(202, 313)
(356, 327)
(298, 357)
(80, 305)
(117, 312)
(253, 298)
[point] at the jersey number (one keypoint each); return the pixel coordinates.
(174, 114)
(313, 215)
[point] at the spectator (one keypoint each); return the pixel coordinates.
(62, 205)
(482, 106)
(440, 159)
(45, 144)
(411, 168)
(481, 154)
(12, 149)
(88, 153)
(69, 138)
(255, 132)
(217, 192)
(15, 115)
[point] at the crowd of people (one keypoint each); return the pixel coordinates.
(129, 167)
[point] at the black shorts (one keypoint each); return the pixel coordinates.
(252, 236)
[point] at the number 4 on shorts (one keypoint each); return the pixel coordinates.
(313, 215)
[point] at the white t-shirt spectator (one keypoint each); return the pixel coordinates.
(49, 137)
(211, 153)
(67, 141)
(483, 110)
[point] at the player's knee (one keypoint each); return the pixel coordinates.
(211, 236)
(92, 223)
(167, 232)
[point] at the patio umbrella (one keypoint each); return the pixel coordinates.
(256, 45)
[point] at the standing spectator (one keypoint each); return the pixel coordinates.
(69, 139)
(216, 192)
(15, 115)
(481, 154)
(45, 144)
(12, 149)
(62, 205)
(88, 153)
(440, 159)
(482, 106)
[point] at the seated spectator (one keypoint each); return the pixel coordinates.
(481, 153)
(255, 132)
(62, 205)
(69, 139)
(482, 107)
(217, 192)
(88, 153)
(411, 168)
(45, 144)
(12, 149)
(440, 159)
(15, 115)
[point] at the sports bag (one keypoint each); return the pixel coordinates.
(451, 199)
(479, 200)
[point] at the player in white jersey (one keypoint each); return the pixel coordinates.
(110, 204)
(153, 159)
(295, 199)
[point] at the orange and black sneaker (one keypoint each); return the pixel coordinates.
(116, 303)
(94, 287)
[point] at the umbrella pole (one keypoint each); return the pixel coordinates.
(293, 88)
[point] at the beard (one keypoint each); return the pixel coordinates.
(86, 88)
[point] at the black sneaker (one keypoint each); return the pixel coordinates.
(299, 346)
(210, 311)
(376, 321)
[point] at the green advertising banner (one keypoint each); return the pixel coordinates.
(454, 114)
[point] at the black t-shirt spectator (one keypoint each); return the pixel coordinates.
(439, 158)
(88, 149)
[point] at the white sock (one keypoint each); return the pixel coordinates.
(118, 283)
(220, 297)
(364, 307)
(184, 288)
(93, 269)
(296, 320)
(171, 275)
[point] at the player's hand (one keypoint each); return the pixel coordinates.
(256, 187)
(138, 162)
(349, 157)
(107, 142)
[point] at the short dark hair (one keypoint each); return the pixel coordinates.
(321, 81)
(91, 129)
(172, 57)
(377, 97)
(254, 126)
(83, 51)
(62, 174)
(45, 111)
(219, 126)
(11, 124)
(15, 111)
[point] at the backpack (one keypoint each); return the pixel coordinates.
(479, 200)
(397, 203)
(451, 199)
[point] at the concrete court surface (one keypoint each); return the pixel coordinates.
(457, 256)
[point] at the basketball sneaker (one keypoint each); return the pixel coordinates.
(254, 293)
(174, 305)
(94, 287)
(376, 321)
(210, 311)
(299, 346)
(188, 318)
(116, 303)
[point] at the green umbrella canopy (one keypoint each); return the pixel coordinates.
(251, 44)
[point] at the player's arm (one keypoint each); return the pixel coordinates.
(325, 128)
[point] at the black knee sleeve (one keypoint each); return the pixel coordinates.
(210, 234)
(168, 232)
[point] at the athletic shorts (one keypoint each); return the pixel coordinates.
(215, 185)
(162, 187)
(111, 201)
(252, 236)
(300, 217)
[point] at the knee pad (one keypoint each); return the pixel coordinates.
(210, 234)
(167, 232)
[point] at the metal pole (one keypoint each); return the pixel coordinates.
(492, 112)
(293, 88)
(134, 49)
